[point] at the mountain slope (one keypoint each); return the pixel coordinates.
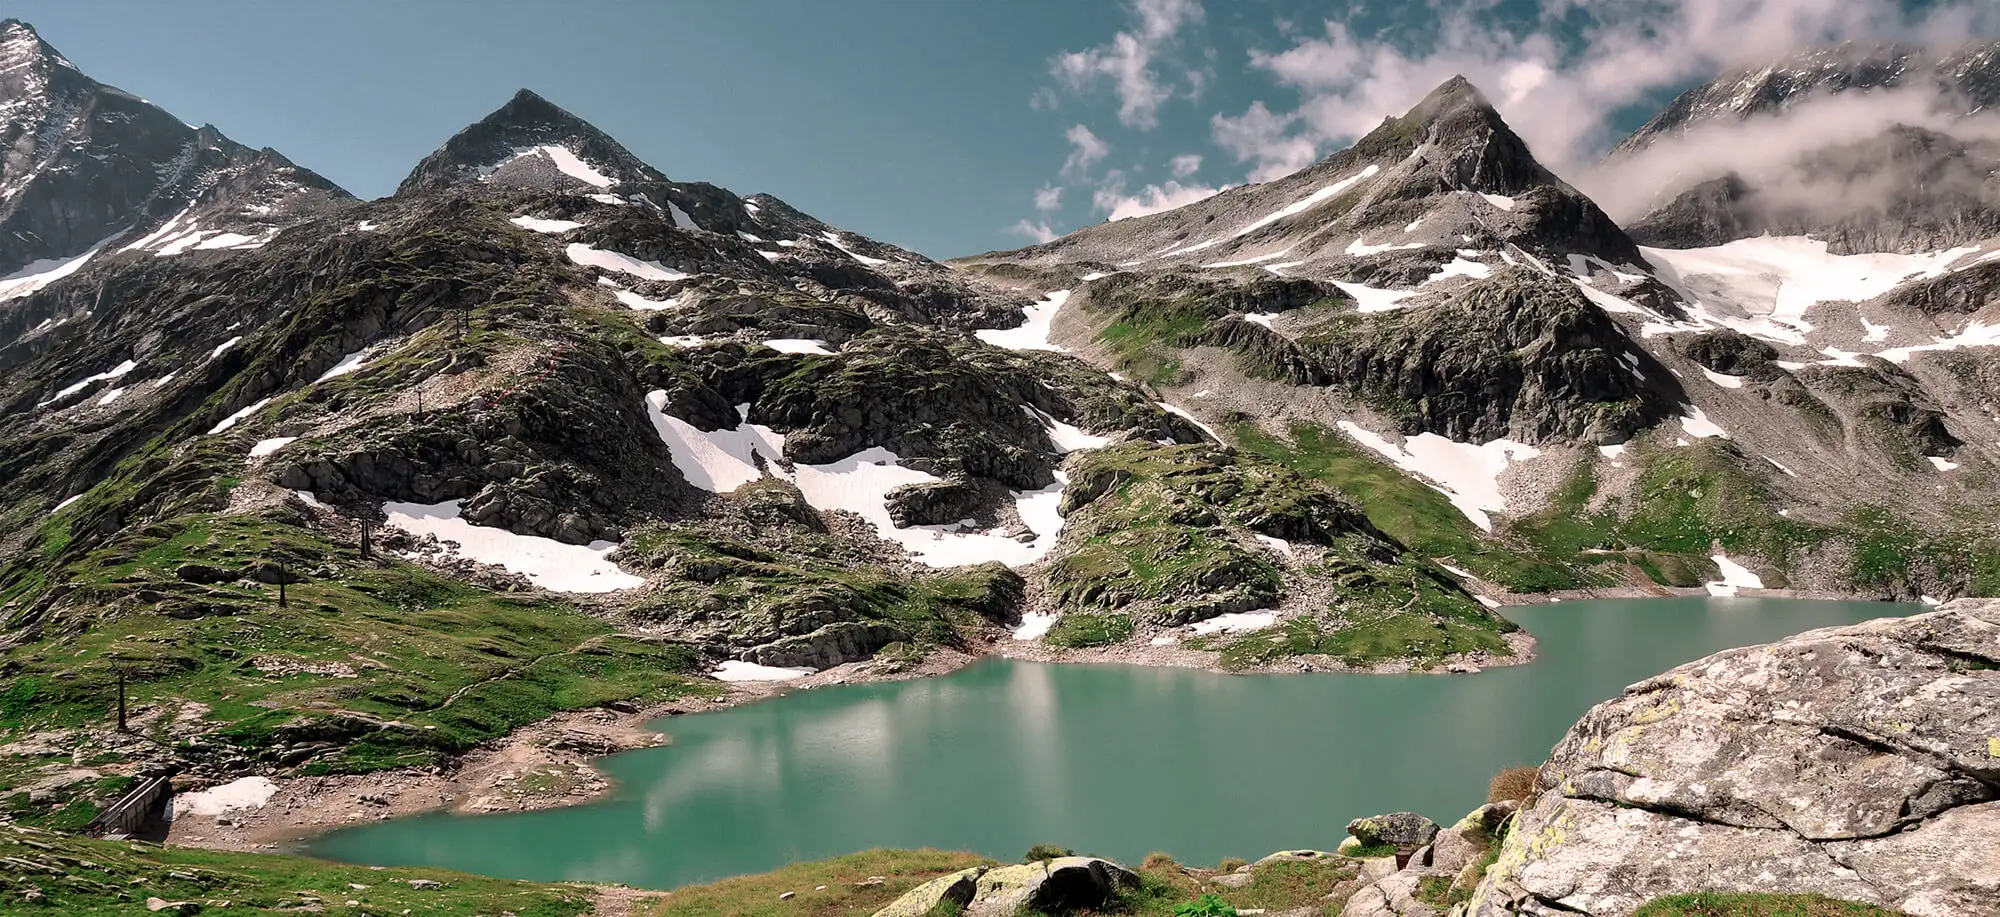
(1664, 419)
(87, 164)
(1393, 208)
(1868, 147)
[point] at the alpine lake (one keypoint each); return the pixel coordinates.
(1111, 760)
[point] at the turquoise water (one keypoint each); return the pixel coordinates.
(1111, 760)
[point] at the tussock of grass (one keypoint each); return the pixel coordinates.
(844, 877)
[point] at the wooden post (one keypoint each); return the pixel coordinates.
(282, 576)
(121, 700)
(367, 529)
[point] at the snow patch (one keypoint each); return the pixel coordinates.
(718, 461)
(40, 274)
(680, 217)
(265, 447)
(1359, 248)
(1734, 576)
(834, 240)
(1467, 474)
(568, 163)
(624, 264)
(798, 345)
(546, 562)
(223, 347)
(347, 364)
(1698, 425)
(1763, 286)
(1941, 463)
(1308, 202)
(232, 419)
(1278, 546)
(633, 300)
(1235, 622)
(1726, 381)
(540, 225)
(1035, 624)
(65, 504)
(1461, 267)
(247, 793)
(738, 670)
(1067, 437)
(1032, 333)
(1374, 299)
(115, 372)
(1190, 418)
(1499, 200)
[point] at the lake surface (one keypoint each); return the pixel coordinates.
(1110, 760)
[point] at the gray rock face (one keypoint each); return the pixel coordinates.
(1856, 762)
(957, 888)
(1049, 887)
(1401, 829)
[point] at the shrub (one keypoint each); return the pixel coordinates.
(1159, 862)
(1516, 784)
(1205, 906)
(1047, 852)
(1231, 864)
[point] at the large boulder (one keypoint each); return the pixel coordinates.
(1856, 762)
(1397, 829)
(1050, 887)
(956, 888)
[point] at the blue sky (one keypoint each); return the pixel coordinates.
(946, 126)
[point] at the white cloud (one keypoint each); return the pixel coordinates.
(1127, 61)
(1782, 156)
(1557, 85)
(1266, 139)
(1040, 232)
(1085, 151)
(1185, 165)
(1117, 205)
(1048, 198)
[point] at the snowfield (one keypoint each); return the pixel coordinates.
(546, 562)
(1764, 286)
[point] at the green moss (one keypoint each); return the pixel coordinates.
(398, 665)
(1077, 631)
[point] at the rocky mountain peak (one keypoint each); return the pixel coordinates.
(529, 142)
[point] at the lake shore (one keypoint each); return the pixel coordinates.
(552, 764)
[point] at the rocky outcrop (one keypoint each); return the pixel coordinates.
(924, 900)
(1860, 763)
(1517, 356)
(1396, 829)
(1056, 886)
